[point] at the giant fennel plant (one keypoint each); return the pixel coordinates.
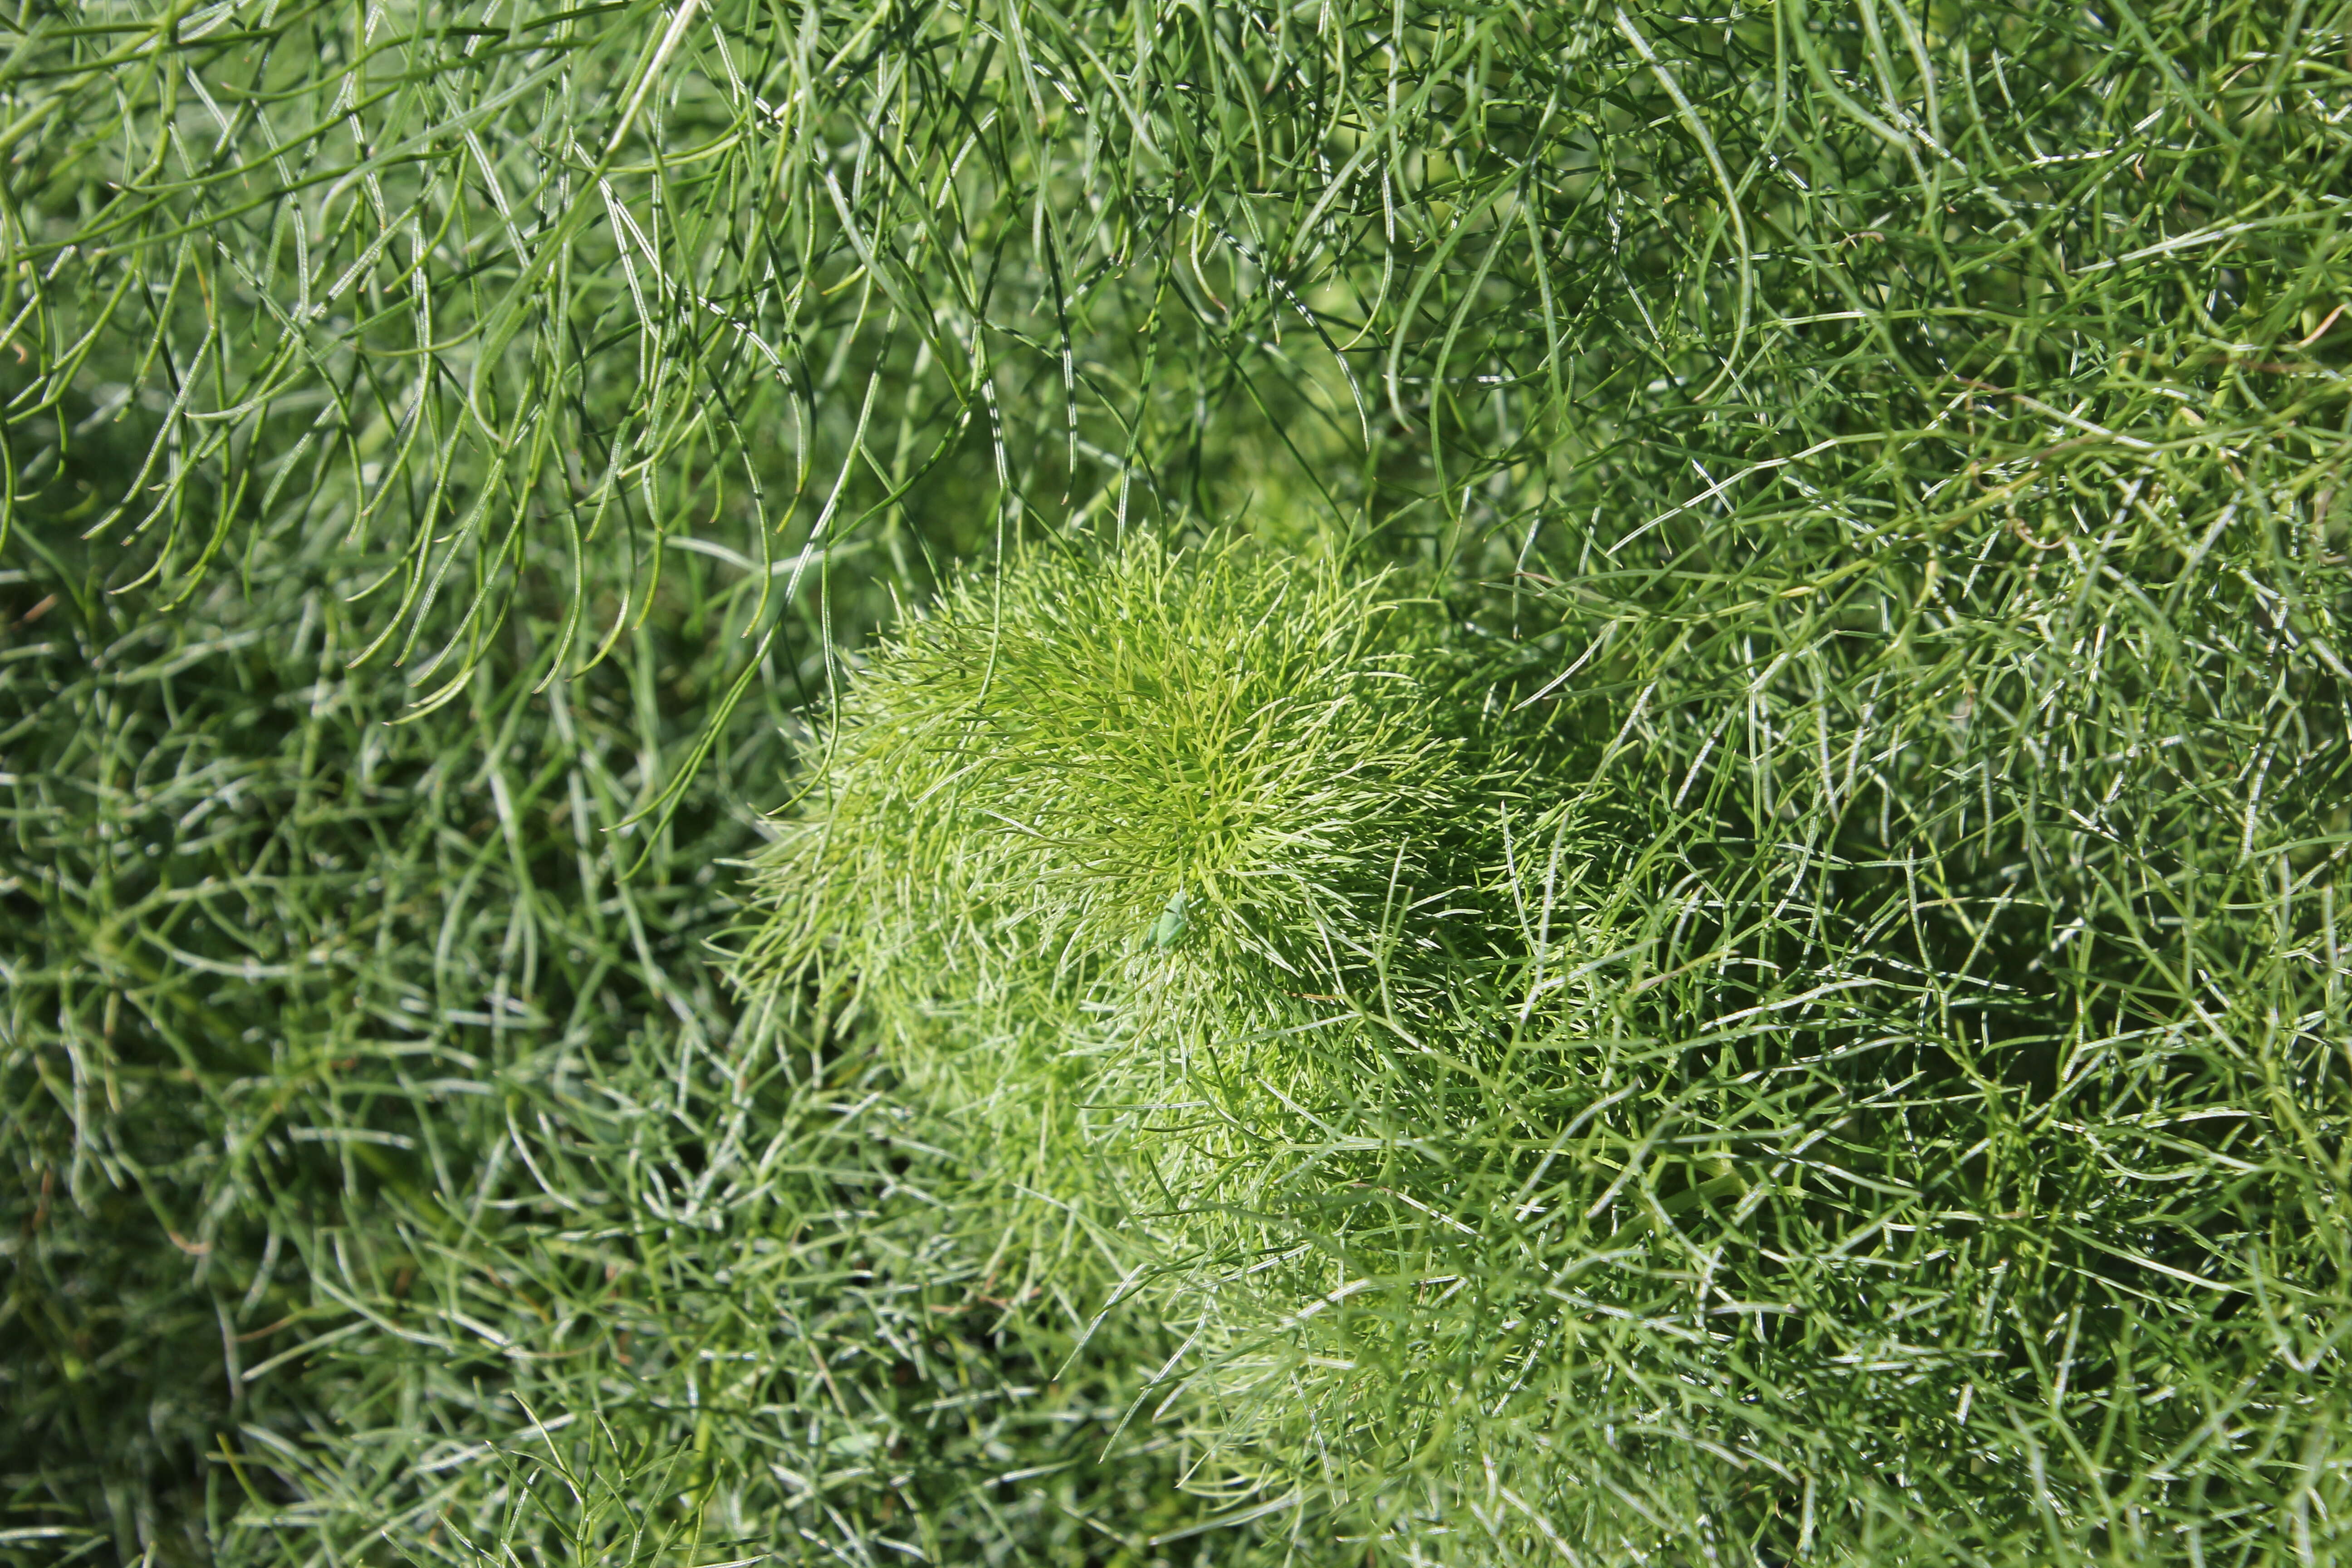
(1138, 858)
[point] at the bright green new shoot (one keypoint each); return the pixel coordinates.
(1096, 845)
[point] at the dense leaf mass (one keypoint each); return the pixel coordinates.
(1877, 472)
(1104, 778)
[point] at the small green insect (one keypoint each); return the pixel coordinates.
(1171, 922)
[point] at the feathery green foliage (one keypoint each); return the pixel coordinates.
(386, 1166)
(1081, 764)
(1108, 847)
(1895, 451)
(1125, 821)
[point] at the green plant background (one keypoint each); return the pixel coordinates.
(451, 451)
